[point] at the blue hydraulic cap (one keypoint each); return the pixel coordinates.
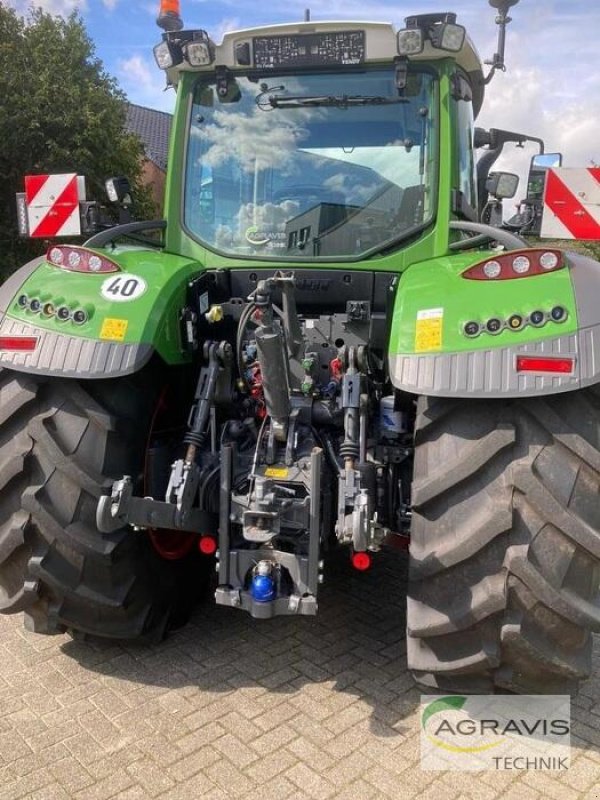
(262, 587)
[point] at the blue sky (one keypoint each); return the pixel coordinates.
(551, 88)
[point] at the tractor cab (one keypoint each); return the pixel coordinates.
(321, 141)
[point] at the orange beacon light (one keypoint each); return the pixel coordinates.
(169, 18)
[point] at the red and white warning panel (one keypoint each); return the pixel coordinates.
(572, 204)
(52, 203)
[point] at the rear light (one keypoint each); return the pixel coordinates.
(207, 545)
(361, 561)
(549, 260)
(521, 265)
(492, 269)
(563, 366)
(24, 344)
(516, 264)
(79, 259)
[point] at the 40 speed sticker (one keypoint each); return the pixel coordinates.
(123, 288)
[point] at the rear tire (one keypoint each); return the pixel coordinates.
(505, 547)
(62, 443)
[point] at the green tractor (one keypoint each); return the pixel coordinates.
(323, 346)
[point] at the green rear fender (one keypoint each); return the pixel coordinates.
(124, 317)
(433, 351)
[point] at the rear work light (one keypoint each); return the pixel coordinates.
(516, 264)
(24, 344)
(410, 41)
(79, 259)
(199, 51)
(563, 366)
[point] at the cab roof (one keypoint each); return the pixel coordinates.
(379, 46)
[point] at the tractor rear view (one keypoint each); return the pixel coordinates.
(327, 348)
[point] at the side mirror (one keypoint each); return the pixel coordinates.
(502, 185)
(546, 160)
(536, 180)
(481, 137)
(118, 189)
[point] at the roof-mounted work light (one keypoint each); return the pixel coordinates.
(194, 47)
(449, 37)
(410, 41)
(199, 51)
(440, 30)
(166, 55)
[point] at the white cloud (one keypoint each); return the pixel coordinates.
(258, 140)
(226, 25)
(551, 88)
(540, 101)
(144, 84)
(136, 70)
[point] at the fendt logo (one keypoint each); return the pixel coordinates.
(462, 732)
(313, 284)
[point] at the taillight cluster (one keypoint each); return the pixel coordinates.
(564, 366)
(516, 264)
(79, 259)
(19, 344)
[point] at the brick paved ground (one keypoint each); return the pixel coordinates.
(230, 707)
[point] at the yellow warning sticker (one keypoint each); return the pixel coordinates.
(428, 330)
(276, 472)
(114, 329)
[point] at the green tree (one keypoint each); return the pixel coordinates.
(59, 112)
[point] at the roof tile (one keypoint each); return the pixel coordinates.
(153, 128)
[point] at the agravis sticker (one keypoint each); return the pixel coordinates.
(428, 329)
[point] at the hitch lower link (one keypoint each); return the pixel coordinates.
(121, 508)
(357, 519)
(177, 511)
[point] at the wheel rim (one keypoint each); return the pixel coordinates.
(170, 544)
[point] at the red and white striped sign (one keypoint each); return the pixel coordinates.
(572, 204)
(53, 204)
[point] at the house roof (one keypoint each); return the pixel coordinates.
(153, 129)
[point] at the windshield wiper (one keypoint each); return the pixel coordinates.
(339, 101)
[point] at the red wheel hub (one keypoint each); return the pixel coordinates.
(172, 545)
